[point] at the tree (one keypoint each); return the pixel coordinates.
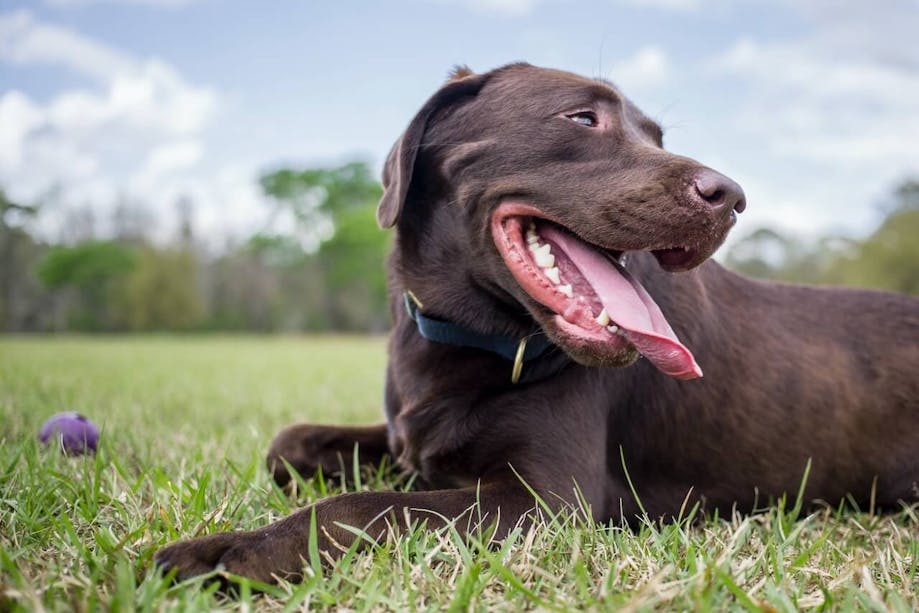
(93, 269)
(334, 213)
(887, 259)
(18, 252)
(316, 196)
(161, 292)
(769, 254)
(352, 263)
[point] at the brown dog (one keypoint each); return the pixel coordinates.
(516, 195)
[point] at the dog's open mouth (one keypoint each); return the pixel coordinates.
(598, 305)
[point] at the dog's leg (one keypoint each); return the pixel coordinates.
(281, 549)
(309, 448)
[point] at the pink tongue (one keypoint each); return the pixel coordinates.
(629, 306)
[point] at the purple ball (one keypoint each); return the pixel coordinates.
(74, 433)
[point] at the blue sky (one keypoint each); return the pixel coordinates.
(813, 106)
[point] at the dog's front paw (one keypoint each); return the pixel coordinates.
(197, 556)
(307, 449)
(246, 554)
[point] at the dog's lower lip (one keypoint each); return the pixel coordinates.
(674, 258)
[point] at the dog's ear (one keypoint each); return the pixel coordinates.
(397, 172)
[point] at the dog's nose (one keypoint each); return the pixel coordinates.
(719, 192)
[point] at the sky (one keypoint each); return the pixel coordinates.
(811, 105)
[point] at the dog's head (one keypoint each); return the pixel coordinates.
(530, 185)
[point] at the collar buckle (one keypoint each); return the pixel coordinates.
(518, 361)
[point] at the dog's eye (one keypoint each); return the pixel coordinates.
(585, 118)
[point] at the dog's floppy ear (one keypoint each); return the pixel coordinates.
(397, 172)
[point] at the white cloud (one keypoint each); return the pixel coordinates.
(516, 8)
(227, 201)
(167, 160)
(509, 8)
(667, 5)
(649, 67)
(169, 4)
(18, 117)
(135, 131)
(827, 107)
(23, 40)
(831, 115)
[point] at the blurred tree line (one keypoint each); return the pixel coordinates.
(888, 258)
(324, 271)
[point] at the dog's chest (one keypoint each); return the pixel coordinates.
(439, 440)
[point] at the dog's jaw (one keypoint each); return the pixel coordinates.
(599, 313)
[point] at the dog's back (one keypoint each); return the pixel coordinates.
(793, 375)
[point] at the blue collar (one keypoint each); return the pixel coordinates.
(520, 351)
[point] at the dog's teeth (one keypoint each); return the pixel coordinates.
(613, 328)
(552, 273)
(544, 260)
(603, 318)
(544, 249)
(567, 290)
(532, 239)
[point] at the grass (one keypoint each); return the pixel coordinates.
(186, 422)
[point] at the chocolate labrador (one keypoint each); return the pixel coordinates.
(554, 311)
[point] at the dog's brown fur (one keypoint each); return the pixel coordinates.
(792, 374)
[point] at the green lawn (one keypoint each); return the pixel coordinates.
(186, 422)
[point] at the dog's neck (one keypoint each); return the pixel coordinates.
(532, 357)
(437, 294)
